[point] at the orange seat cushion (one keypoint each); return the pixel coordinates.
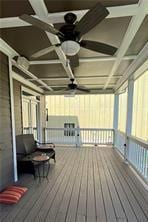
(12, 194)
(18, 189)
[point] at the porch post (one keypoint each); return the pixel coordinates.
(42, 118)
(116, 113)
(129, 116)
(13, 122)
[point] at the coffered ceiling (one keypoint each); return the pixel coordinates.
(124, 28)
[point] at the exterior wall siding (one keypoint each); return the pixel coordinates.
(6, 159)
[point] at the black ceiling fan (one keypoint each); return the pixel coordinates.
(71, 32)
(73, 88)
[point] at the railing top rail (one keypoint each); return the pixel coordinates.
(97, 129)
(91, 129)
(139, 141)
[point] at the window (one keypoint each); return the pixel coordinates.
(69, 129)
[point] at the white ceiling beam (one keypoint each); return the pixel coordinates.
(93, 91)
(41, 11)
(116, 11)
(6, 49)
(31, 75)
(133, 27)
(105, 58)
(81, 60)
(77, 78)
(137, 67)
(26, 82)
(87, 85)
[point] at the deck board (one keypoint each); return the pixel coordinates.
(89, 184)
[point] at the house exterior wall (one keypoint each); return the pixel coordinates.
(6, 159)
(58, 121)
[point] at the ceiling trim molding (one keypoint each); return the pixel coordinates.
(58, 17)
(81, 60)
(91, 84)
(138, 66)
(77, 78)
(132, 29)
(41, 11)
(6, 49)
(31, 75)
(26, 82)
(93, 91)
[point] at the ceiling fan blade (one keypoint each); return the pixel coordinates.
(40, 24)
(61, 89)
(43, 52)
(93, 17)
(82, 89)
(98, 47)
(74, 61)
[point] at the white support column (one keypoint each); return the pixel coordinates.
(13, 122)
(42, 119)
(129, 115)
(116, 114)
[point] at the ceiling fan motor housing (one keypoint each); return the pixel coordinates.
(68, 31)
(72, 85)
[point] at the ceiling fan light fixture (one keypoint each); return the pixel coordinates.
(70, 48)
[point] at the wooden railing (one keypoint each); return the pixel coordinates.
(135, 152)
(138, 155)
(79, 136)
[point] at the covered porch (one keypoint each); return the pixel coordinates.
(101, 170)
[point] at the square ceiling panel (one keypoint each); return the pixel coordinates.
(14, 8)
(110, 31)
(48, 71)
(140, 39)
(96, 81)
(94, 68)
(69, 5)
(27, 40)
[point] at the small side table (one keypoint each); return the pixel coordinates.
(47, 148)
(42, 161)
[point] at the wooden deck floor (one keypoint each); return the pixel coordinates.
(85, 185)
